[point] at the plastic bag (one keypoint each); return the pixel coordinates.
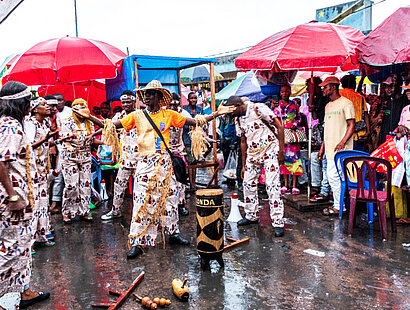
(106, 156)
(230, 167)
(389, 152)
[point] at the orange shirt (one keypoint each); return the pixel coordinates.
(357, 100)
(148, 140)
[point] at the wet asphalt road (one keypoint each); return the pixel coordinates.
(361, 272)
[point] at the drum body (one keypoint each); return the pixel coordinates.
(210, 224)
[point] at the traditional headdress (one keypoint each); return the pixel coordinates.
(127, 96)
(22, 94)
(34, 103)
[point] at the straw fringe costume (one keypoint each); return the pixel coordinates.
(76, 169)
(41, 219)
(15, 232)
(129, 153)
(155, 201)
(262, 151)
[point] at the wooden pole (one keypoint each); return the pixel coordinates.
(179, 86)
(137, 102)
(213, 107)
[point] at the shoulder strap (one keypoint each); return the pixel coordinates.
(156, 130)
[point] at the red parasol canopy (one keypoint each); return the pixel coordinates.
(319, 46)
(66, 60)
(389, 43)
(91, 91)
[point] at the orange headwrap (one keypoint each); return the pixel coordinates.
(87, 122)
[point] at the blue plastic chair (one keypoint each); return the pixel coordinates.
(96, 173)
(339, 157)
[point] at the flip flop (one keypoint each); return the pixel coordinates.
(319, 198)
(284, 190)
(402, 222)
(330, 212)
(295, 191)
(49, 243)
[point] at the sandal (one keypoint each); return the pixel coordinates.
(319, 198)
(87, 218)
(295, 191)
(331, 211)
(49, 243)
(284, 190)
(66, 220)
(402, 222)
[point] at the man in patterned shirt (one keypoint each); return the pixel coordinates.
(262, 145)
(129, 156)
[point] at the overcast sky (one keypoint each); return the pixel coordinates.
(188, 28)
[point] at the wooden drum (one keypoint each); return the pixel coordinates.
(210, 225)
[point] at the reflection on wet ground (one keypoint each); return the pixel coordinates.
(267, 273)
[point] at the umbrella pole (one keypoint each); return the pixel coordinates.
(309, 154)
(309, 148)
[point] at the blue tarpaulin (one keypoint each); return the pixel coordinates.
(161, 68)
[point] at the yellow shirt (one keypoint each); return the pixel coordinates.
(148, 140)
(336, 115)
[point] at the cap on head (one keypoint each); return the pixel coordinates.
(330, 80)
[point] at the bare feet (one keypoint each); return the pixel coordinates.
(54, 208)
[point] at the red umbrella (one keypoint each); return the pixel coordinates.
(389, 43)
(91, 91)
(66, 60)
(319, 46)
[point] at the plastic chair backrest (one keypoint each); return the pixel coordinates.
(366, 167)
(340, 156)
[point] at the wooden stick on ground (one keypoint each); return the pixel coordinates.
(118, 303)
(235, 242)
(122, 295)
